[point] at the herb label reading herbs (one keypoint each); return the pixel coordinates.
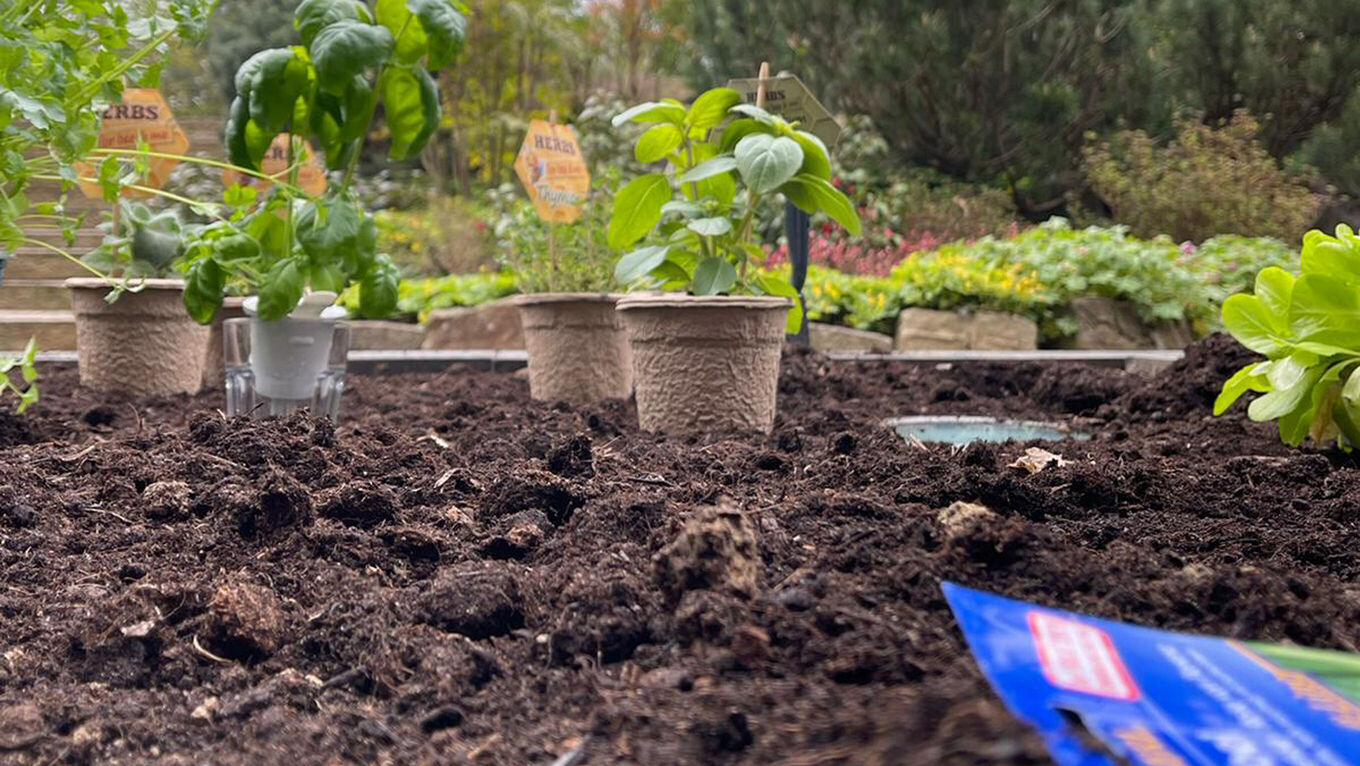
(788, 97)
(553, 172)
(311, 176)
(141, 118)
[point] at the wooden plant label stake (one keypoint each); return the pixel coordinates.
(141, 117)
(788, 97)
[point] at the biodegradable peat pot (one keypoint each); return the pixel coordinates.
(705, 363)
(144, 342)
(214, 374)
(578, 352)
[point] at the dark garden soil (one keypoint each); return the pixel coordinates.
(459, 575)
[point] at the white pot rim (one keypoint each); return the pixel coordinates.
(330, 314)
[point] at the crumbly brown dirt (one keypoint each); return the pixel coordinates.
(456, 574)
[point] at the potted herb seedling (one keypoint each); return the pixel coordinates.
(577, 350)
(1306, 328)
(295, 253)
(64, 62)
(137, 336)
(706, 350)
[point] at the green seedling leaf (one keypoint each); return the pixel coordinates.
(652, 111)
(639, 263)
(1251, 323)
(737, 130)
(281, 289)
(767, 162)
(813, 194)
(816, 159)
(1282, 401)
(714, 276)
(708, 169)
(637, 209)
(657, 142)
(711, 108)
(1249, 378)
(378, 289)
(710, 227)
(779, 287)
(1322, 310)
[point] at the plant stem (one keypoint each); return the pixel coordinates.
(67, 256)
(694, 189)
(199, 161)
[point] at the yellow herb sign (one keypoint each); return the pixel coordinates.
(311, 176)
(142, 117)
(553, 172)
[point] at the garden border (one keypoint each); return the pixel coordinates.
(413, 361)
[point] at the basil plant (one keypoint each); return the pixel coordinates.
(1308, 328)
(695, 219)
(323, 92)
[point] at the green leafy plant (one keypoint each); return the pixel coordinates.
(558, 258)
(326, 90)
(1308, 328)
(26, 365)
(721, 158)
(139, 243)
(61, 61)
(418, 297)
(1207, 181)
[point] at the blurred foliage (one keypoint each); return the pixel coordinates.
(979, 90)
(418, 297)
(1038, 273)
(556, 258)
(1207, 181)
(449, 236)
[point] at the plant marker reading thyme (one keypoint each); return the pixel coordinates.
(552, 171)
(142, 118)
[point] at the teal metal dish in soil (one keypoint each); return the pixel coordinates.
(962, 430)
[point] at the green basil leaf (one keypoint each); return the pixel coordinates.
(639, 263)
(378, 289)
(816, 159)
(710, 227)
(314, 15)
(737, 130)
(348, 48)
(325, 229)
(710, 109)
(767, 162)
(721, 164)
(657, 142)
(652, 111)
(637, 209)
(445, 31)
(813, 194)
(203, 288)
(714, 276)
(281, 289)
(411, 102)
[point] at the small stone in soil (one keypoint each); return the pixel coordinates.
(715, 549)
(445, 717)
(166, 500)
(245, 621)
(20, 515)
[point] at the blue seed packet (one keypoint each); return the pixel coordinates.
(1103, 693)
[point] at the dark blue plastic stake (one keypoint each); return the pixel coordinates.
(796, 228)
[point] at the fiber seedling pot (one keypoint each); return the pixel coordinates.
(705, 363)
(144, 342)
(578, 352)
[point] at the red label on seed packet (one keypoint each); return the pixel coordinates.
(1080, 658)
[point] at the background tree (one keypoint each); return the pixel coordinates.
(978, 89)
